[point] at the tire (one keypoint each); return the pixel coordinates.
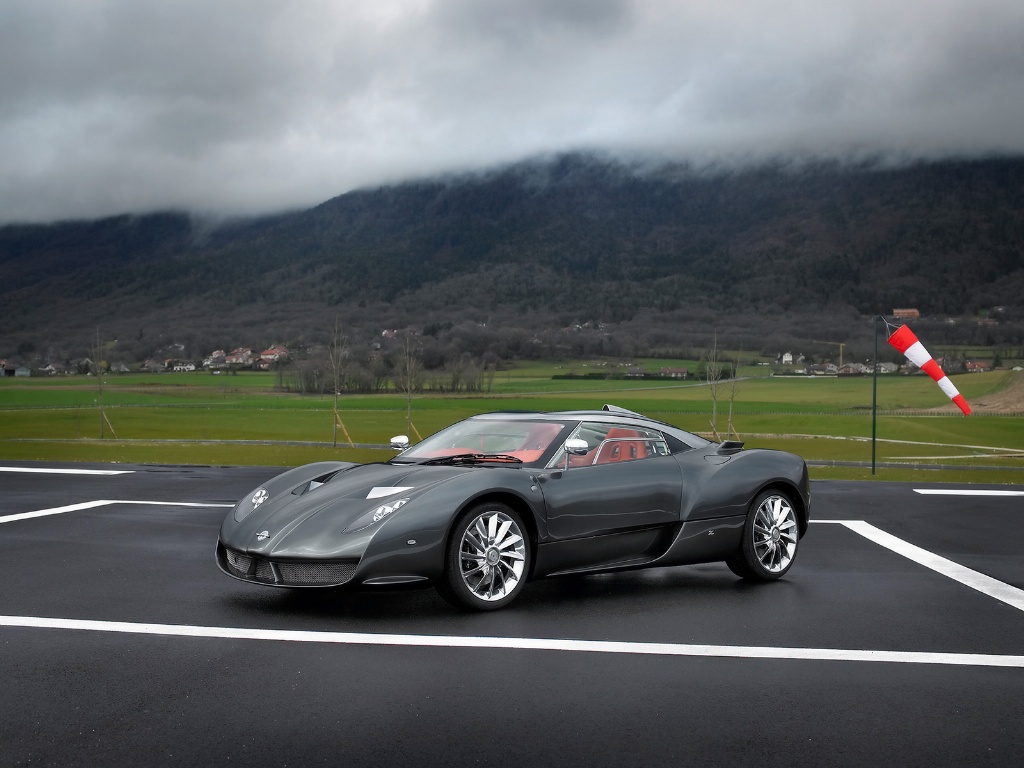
(487, 558)
(770, 537)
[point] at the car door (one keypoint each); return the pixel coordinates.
(611, 503)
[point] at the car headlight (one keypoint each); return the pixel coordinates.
(386, 509)
(377, 514)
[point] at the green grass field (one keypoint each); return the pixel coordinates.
(199, 418)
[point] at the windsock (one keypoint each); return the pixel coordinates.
(906, 342)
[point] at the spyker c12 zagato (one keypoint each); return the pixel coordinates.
(492, 502)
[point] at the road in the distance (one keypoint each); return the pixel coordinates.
(92, 684)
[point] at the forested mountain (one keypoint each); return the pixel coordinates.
(659, 258)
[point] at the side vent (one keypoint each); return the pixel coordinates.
(730, 446)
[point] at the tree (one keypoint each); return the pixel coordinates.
(408, 376)
(337, 351)
(730, 430)
(713, 375)
(97, 368)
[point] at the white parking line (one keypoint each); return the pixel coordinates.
(44, 471)
(977, 581)
(102, 503)
(964, 492)
(522, 643)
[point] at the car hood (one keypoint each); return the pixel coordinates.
(310, 520)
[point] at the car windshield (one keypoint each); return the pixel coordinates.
(479, 440)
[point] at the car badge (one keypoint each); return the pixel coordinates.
(262, 535)
(260, 496)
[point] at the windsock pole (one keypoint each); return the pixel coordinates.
(874, 399)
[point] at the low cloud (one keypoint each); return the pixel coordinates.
(247, 106)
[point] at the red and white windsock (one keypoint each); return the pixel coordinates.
(906, 342)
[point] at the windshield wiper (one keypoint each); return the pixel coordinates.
(475, 458)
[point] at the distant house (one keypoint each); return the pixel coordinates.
(275, 354)
(675, 373)
(787, 358)
(216, 360)
(22, 371)
(974, 366)
(906, 313)
(951, 365)
(241, 357)
(181, 366)
(853, 369)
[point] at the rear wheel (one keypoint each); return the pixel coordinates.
(770, 537)
(487, 559)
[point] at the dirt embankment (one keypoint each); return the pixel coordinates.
(1009, 399)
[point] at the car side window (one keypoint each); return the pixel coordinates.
(611, 443)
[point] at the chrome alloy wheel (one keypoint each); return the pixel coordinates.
(775, 533)
(492, 555)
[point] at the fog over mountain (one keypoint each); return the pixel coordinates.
(637, 259)
(255, 106)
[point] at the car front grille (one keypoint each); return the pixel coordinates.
(237, 561)
(288, 574)
(315, 574)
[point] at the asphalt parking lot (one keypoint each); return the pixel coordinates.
(898, 637)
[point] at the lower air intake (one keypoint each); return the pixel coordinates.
(238, 562)
(315, 574)
(289, 574)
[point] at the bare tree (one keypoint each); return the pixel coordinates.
(713, 375)
(408, 378)
(733, 379)
(97, 368)
(337, 351)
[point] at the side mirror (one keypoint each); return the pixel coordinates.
(576, 447)
(399, 442)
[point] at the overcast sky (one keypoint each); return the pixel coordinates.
(246, 106)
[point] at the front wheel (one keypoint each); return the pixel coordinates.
(770, 537)
(487, 559)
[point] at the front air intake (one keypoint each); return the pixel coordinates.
(281, 573)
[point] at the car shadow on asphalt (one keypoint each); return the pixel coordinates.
(583, 601)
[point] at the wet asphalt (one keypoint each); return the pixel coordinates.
(90, 695)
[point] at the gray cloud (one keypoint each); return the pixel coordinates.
(244, 106)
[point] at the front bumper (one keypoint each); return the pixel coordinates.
(285, 573)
